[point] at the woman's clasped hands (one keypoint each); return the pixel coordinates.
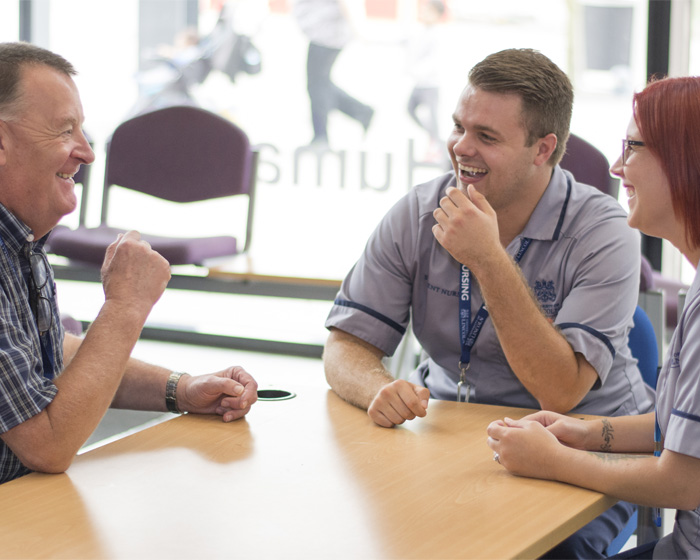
(532, 446)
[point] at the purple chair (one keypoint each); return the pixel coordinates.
(590, 166)
(71, 325)
(670, 287)
(82, 177)
(180, 154)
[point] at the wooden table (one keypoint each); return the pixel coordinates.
(282, 276)
(310, 477)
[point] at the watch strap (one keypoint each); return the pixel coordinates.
(171, 391)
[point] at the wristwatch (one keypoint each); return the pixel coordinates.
(171, 391)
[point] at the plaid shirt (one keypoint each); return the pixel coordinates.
(25, 388)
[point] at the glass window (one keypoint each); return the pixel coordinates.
(9, 20)
(325, 199)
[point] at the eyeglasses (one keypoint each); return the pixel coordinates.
(626, 148)
(41, 305)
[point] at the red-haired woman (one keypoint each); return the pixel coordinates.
(660, 170)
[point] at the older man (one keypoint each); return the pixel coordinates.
(55, 387)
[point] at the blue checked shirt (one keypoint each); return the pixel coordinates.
(26, 388)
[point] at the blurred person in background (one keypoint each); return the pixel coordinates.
(329, 25)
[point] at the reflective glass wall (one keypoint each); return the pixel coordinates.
(325, 202)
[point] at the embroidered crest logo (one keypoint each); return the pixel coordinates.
(675, 361)
(544, 291)
(546, 295)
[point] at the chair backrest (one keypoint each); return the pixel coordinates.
(180, 154)
(643, 345)
(82, 177)
(646, 280)
(589, 165)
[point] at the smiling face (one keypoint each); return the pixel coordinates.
(488, 149)
(41, 148)
(648, 191)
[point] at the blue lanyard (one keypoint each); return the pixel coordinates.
(468, 331)
(47, 357)
(657, 453)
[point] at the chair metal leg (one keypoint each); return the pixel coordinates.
(647, 530)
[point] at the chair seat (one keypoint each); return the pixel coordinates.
(90, 244)
(179, 154)
(653, 280)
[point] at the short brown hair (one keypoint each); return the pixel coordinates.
(545, 90)
(13, 57)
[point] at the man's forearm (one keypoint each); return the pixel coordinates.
(94, 373)
(354, 368)
(71, 344)
(539, 355)
(142, 387)
(49, 440)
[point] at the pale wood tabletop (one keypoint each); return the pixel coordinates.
(291, 268)
(308, 477)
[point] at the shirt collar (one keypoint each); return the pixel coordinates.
(547, 219)
(15, 233)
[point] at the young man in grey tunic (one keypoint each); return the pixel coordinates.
(520, 283)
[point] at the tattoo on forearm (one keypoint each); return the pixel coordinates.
(608, 436)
